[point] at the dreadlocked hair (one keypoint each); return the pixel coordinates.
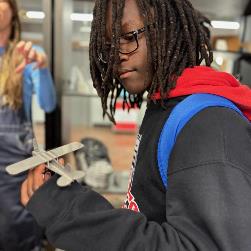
(179, 38)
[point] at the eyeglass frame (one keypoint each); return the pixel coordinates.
(135, 33)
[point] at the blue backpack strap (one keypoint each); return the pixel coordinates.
(178, 118)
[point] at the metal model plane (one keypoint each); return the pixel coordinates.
(41, 156)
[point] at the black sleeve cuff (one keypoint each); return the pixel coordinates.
(44, 205)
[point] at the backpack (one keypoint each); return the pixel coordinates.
(178, 118)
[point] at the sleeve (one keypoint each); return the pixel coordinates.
(43, 86)
(207, 202)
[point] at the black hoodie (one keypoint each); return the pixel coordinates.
(206, 207)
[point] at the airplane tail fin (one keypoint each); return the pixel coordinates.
(78, 175)
(75, 175)
(64, 181)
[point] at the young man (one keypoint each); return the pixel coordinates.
(157, 46)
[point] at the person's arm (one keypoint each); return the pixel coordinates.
(43, 84)
(207, 203)
(44, 88)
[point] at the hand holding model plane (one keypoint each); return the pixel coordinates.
(46, 160)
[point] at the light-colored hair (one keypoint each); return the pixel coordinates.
(10, 81)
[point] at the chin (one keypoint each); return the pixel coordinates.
(134, 87)
(134, 90)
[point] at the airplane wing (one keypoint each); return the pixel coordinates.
(25, 165)
(43, 157)
(62, 150)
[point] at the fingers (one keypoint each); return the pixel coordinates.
(47, 176)
(30, 184)
(30, 55)
(41, 60)
(24, 193)
(27, 50)
(20, 46)
(35, 179)
(23, 48)
(61, 161)
(38, 177)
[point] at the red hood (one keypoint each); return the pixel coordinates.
(203, 79)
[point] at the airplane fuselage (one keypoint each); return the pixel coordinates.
(53, 164)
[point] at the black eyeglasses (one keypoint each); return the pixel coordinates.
(129, 43)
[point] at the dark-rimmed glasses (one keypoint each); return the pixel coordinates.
(128, 43)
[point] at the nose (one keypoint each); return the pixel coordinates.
(123, 57)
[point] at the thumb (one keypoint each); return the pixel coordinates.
(61, 161)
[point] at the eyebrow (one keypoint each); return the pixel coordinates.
(130, 24)
(126, 25)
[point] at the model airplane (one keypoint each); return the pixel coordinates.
(41, 156)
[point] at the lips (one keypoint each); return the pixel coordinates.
(123, 71)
